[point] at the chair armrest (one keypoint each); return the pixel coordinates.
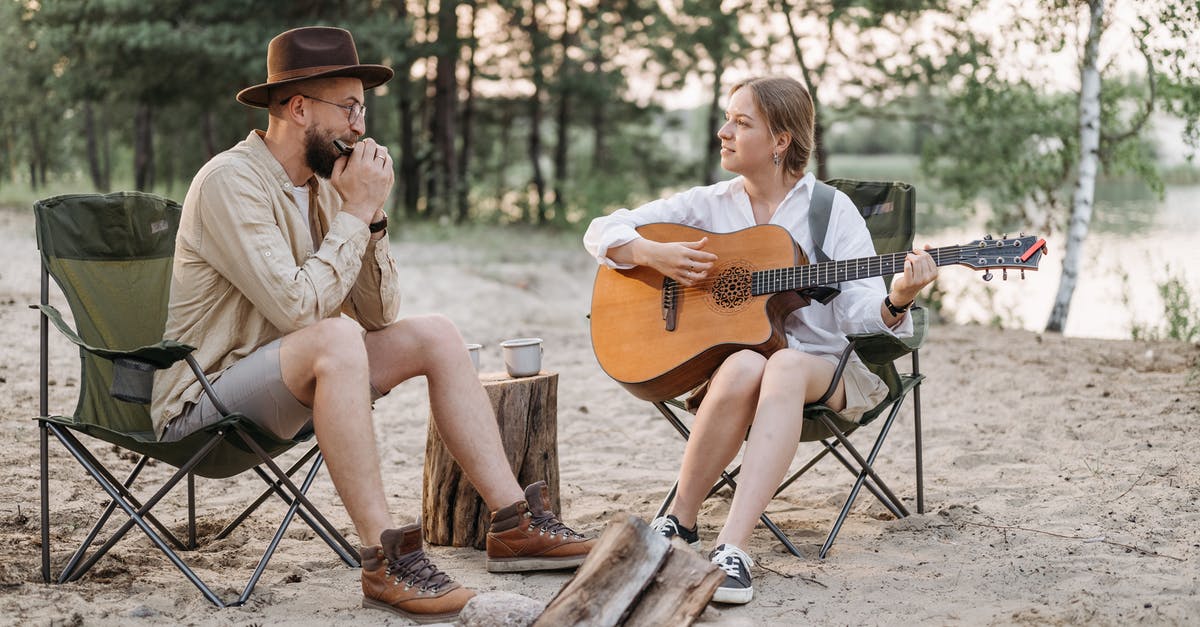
(160, 355)
(883, 348)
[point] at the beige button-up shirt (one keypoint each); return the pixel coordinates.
(251, 267)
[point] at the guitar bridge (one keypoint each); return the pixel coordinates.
(669, 302)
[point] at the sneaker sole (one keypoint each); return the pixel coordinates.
(733, 596)
(420, 619)
(522, 564)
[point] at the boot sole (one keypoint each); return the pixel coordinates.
(733, 596)
(522, 564)
(421, 619)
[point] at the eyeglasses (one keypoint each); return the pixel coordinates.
(356, 111)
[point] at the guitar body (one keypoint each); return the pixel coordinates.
(713, 320)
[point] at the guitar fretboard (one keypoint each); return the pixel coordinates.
(830, 272)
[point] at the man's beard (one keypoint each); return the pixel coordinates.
(319, 152)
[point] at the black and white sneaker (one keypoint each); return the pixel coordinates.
(668, 527)
(736, 564)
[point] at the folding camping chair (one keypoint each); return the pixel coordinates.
(111, 256)
(890, 212)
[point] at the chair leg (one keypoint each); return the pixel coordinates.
(44, 446)
(916, 364)
(100, 522)
(295, 492)
(272, 488)
(336, 541)
(867, 483)
(866, 470)
(666, 504)
(287, 520)
(137, 516)
(191, 499)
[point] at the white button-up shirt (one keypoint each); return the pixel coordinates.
(725, 207)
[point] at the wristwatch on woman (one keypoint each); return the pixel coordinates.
(896, 311)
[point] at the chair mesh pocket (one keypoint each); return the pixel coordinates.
(133, 381)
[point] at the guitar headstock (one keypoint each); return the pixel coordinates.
(1017, 253)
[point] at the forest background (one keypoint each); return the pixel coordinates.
(1007, 115)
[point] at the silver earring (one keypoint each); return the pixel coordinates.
(775, 158)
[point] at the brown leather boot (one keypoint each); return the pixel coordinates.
(399, 577)
(524, 536)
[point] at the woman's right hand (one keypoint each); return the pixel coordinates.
(686, 262)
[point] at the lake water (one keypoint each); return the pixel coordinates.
(1134, 239)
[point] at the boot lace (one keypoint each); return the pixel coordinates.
(416, 571)
(547, 522)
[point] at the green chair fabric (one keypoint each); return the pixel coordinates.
(111, 256)
(889, 209)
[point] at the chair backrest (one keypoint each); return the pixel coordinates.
(111, 255)
(890, 209)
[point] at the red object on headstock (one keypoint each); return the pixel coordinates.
(1038, 245)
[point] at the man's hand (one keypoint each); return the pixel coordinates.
(364, 180)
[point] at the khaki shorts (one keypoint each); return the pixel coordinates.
(864, 390)
(254, 388)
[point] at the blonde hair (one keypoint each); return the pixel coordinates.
(788, 108)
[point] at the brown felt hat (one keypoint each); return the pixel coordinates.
(312, 52)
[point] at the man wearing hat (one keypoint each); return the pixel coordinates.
(284, 278)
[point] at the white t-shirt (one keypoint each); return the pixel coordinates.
(300, 195)
(725, 207)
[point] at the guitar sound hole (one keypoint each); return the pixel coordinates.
(731, 289)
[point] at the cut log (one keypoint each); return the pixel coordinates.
(634, 577)
(452, 512)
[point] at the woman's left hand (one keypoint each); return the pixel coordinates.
(919, 271)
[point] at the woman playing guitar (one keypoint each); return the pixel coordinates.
(766, 139)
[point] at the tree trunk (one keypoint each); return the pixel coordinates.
(506, 140)
(468, 123)
(526, 409)
(599, 118)
(446, 107)
(1083, 196)
(92, 147)
(566, 75)
(712, 152)
(143, 147)
(35, 154)
(208, 134)
(538, 211)
(820, 153)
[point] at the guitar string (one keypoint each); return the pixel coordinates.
(791, 271)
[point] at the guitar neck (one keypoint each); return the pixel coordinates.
(831, 272)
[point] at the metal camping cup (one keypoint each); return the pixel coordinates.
(522, 356)
(473, 351)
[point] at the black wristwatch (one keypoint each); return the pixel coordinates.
(896, 311)
(376, 227)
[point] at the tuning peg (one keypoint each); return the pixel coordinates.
(1004, 274)
(987, 275)
(988, 237)
(1022, 274)
(1021, 234)
(1005, 236)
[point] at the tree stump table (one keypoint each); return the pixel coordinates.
(452, 512)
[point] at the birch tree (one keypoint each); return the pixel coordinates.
(1089, 164)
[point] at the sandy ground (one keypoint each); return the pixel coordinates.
(1061, 480)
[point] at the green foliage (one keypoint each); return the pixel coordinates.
(1181, 317)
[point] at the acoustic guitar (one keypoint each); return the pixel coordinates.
(659, 338)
